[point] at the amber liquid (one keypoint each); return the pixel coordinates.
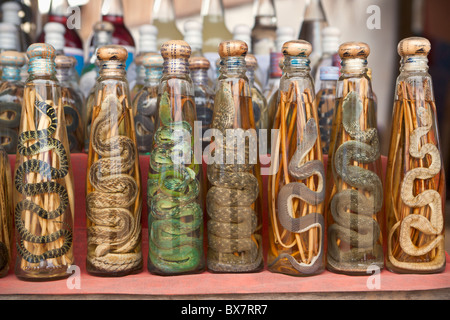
(6, 214)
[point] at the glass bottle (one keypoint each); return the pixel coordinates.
(325, 104)
(415, 178)
(8, 37)
(113, 186)
(265, 27)
(234, 199)
(175, 215)
(10, 14)
(145, 103)
(44, 187)
(59, 12)
(193, 35)
(6, 213)
(259, 102)
(330, 56)
(354, 200)
(204, 95)
(164, 19)
(314, 21)
(112, 11)
(11, 97)
(296, 186)
(72, 100)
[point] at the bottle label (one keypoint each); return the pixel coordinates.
(275, 70)
(78, 54)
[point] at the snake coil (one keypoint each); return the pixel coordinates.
(9, 127)
(145, 127)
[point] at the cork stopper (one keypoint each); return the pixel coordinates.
(414, 46)
(152, 60)
(12, 58)
(41, 50)
(196, 63)
(64, 62)
(175, 49)
(233, 48)
(354, 50)
(112, 52)
(297, 48)
(250, 61)
(103, 26)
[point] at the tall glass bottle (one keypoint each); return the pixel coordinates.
(415, 179)
(113, 187)
(354, 187)
(265, 27)
(11, 97)
(10, 14)
(296, 187)
(145, 103)
(204, 95)
(6, 213)
(59, 12)
(234, 199)
(325, 104)
(112, 11)
(330, 56)
(45, 202)
(72, 101)
(164, 19)
(259, 102)
(314, 21)
(175, 215)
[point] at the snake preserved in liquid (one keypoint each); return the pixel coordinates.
(9, 126)
(147, 106)
(352, 209)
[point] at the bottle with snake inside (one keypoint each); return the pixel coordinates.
(146, 102)
(297, 184)
(113, 185)
(6, 213)
(174, 185)
(415, 179)
(234, 199)
(44, 182)
(11, 97)
(354, 190)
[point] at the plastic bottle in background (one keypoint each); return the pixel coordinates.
(193, 35)
(10, 13)
(59, 11)
(112, 11)
(314, 21)
(330, 56)
(163, 17)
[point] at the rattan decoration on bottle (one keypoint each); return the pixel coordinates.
(6, 213)
(297, 185)
(175, 215)
(113, 200)
(415, 179)
(354, 200)
(45, 203)
(233, 201)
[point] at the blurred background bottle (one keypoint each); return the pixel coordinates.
(163, 17)
(11, 13)
(330, 56)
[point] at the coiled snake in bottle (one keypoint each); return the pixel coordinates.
(357, 227)
(44, 143)
(301, 191)
(116, 231)
(175, 216)
(432, 226)
(230, 201)
(9, 127)
(145, 127)
(69, 111)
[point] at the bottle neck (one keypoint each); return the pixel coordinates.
(63, 74)
(112, 69)
(314, 11)
(200, 76)
(10, 73)
(327, 84)
(354, 67)
(41, 67)
(414, 64)
(102, 38)
(164, 11)
(112, 8)
(294, 65)
(265, 13)
(153, 74)
(213, 8)
(233, 67)
(251, 76)
(176, 66)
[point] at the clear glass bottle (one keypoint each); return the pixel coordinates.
(11, 97)
(204, 95)
(234, 199)
(415, 178)
(325, 104)
(296, 186)
(174, 182)
(44, 187)
(314, 21)
(259, 102)
(10, 13)
(6, 213)
(265, 27)
(113, 186)
(164, 18)
(72, 100)
(145, 103)
(354, 198)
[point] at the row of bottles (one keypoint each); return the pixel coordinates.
(347, 202)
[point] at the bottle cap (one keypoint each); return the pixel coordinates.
(54, 35)
(10, 12)
(329, 73)
(147, 41)
(152, 60)
(330, 39)
(297, 48)
(196, 63)
(41, 50)
(244, 33)
(193, 34)
(284, 34)
(233, 48)
(8, 36)
(353, 50)
(64, 62)
(12, 58)
(175, 49)
(250, 61)
(414, 46)
(112, 52)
